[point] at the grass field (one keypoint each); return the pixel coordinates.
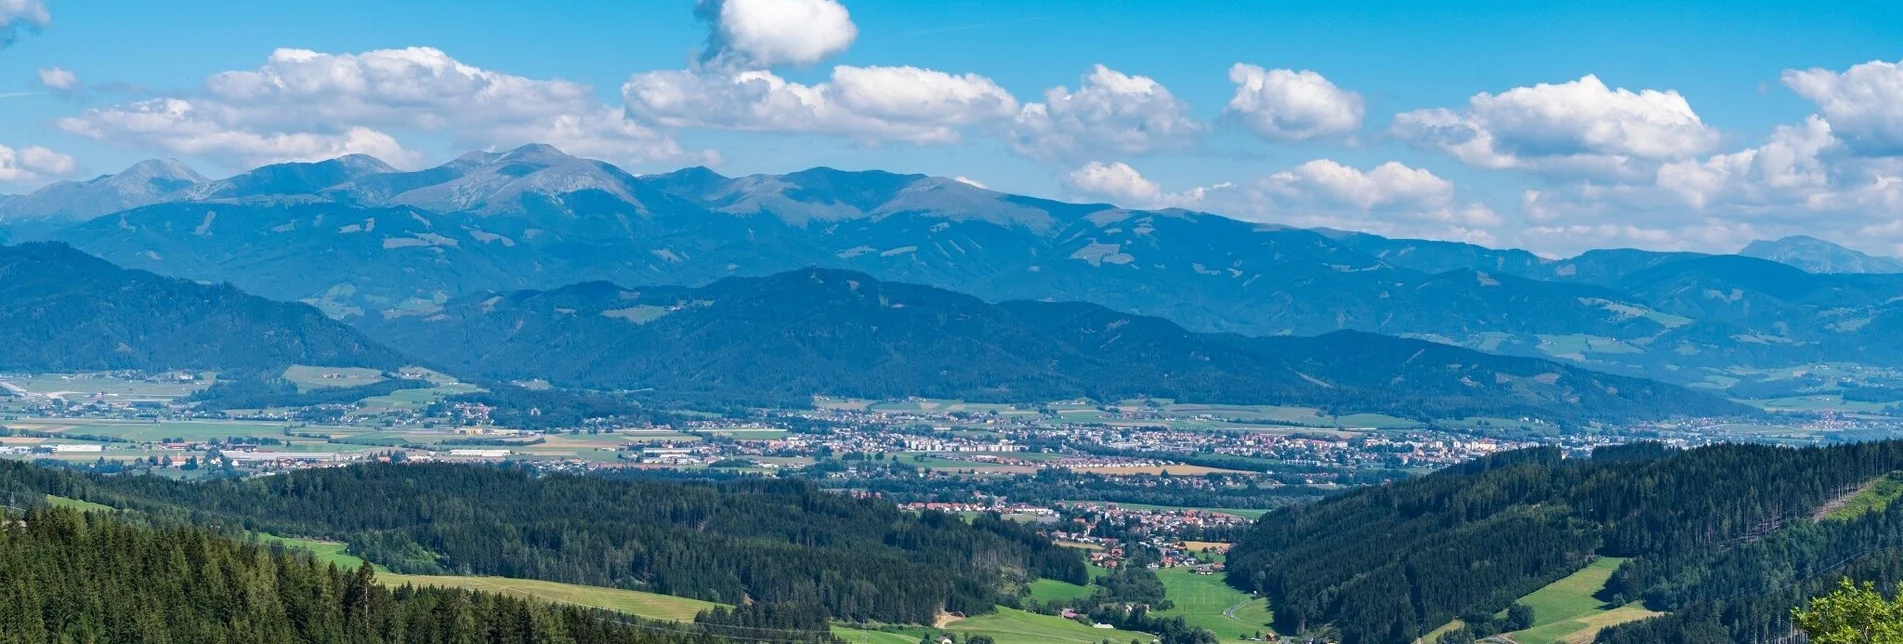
(636, 603)
(1875, 497)
(1205, 601)
(1567, 611)
(308, 378)
(1010, 626)
(84, 386)
(83, 506)
(1046, 590)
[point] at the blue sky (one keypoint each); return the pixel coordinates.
(1702, 125)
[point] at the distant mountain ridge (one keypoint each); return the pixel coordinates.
(815, 331)
(143, 184)
(62, 310)
(355, 239)
(1819, 256)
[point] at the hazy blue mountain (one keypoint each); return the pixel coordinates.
(288, 179)
(813, 331)
(63, 310)
(362, 240)
(146, 182)
(1819, 256)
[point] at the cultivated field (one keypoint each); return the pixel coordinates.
(1205, 601)
(640, 604)
(1568, 611)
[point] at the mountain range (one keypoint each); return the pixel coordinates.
(360, 240)
(809, 332)
(62, 310)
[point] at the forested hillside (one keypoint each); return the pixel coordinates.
(1716, 527)
(63, 310)
(789, 336)
(72, 577)
(779, 543)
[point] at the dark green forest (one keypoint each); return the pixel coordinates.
(1722, 536)
(84, 578)
(774, 542)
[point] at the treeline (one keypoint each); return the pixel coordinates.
(1389, 563)
(1745, 593)
(72, 577)
(776, 542)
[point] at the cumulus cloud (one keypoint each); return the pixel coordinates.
(21, 15)
(33, 163)
(871, 104)
(1390, 198)
(1863, 105)
(60, 82)
(1121, 184)
(1579, 127)
(763, 34)
(217, 131)
(1109, 113)
(1802, 179)
(1287, 105)
(304, 105)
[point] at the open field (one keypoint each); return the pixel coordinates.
(83, 506)
(1007, 626)
(1046, 590)
(308, 378)
(636, 603)
(1817, 402)
(78, 387)
(149, 431)
(1205, 601)
(1567, 611)
(1011, 626)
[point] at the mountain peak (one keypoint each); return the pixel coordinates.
(172, 169)
(537, 152)
(1820, 256)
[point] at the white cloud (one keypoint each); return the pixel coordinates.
(16, 15)
(217, 131)
(33, 163)
(1110, 113)
(762, 34)
(1387, 184)
(1787, 170)
(1579, 127)
(1390, 199)
(303, 104)
(1864, 105)
(1119, 183)
(1803, 179)
(1287, 105)
(59, 80)
(871, 104)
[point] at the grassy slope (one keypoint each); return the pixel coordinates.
(1566, 611)
(1007, 626)
(1876, 496)
(1046, 590)
(83, 506)
(1201, 600)
(625, 601)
